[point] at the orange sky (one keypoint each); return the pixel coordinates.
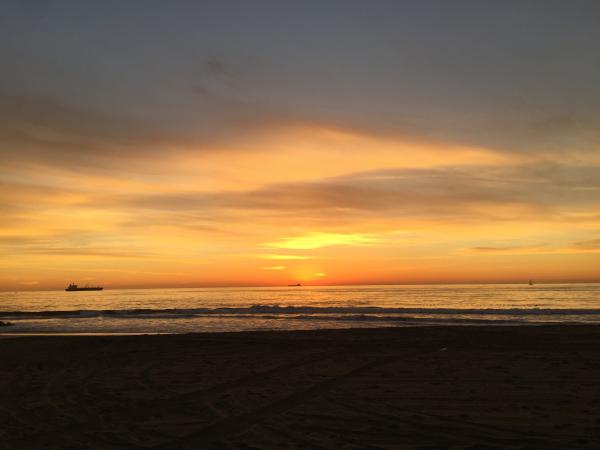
(384, 143)
(332, 207)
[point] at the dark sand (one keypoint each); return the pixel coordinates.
(489, 388)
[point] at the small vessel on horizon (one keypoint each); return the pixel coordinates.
(294, 285)
(530, 282)
(73, 287)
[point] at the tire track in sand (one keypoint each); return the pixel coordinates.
(236, 425)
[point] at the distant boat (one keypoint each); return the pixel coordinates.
(74, 287)
(530, 282)
(294, 285)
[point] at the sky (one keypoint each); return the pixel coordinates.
(225, 143)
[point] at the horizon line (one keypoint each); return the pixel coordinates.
(241, 286)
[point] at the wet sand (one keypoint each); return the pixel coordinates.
(415, 388)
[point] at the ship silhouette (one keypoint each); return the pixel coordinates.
(74, 287)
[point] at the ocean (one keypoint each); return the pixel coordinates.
(187, 310)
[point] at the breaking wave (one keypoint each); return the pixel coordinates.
(306, 313)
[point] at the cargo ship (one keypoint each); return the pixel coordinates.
(74, 287)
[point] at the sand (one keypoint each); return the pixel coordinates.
(414, 388)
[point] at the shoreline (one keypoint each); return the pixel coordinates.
(396, 387)
(428, 325)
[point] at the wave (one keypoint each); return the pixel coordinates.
(297, 312)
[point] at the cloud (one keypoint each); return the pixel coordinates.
(58, 135)
(315, 240)
(510, 249)
(505, 103)
(343, 207)
(591, 244)
(69, 244)
(94, 252)
(283, 257)
(78, 251)
(19, 191)
(274, 268)
(451, 193)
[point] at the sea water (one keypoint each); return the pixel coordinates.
(188, 310)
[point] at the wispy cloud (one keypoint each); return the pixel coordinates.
(277, 256)
(591, 244)
(510, 249)
(274, 268)
(315, 240)
(467, 193)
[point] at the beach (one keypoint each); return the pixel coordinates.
(414, 387)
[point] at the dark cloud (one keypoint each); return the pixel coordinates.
(517, 77)
(592, 244)
(94, 252)
(35, 130)
(58, 244)
(21, 194)
(536, 191)
(507, 249)
(216, 68)
(57, 135)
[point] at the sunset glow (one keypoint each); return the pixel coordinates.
(193, 165)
